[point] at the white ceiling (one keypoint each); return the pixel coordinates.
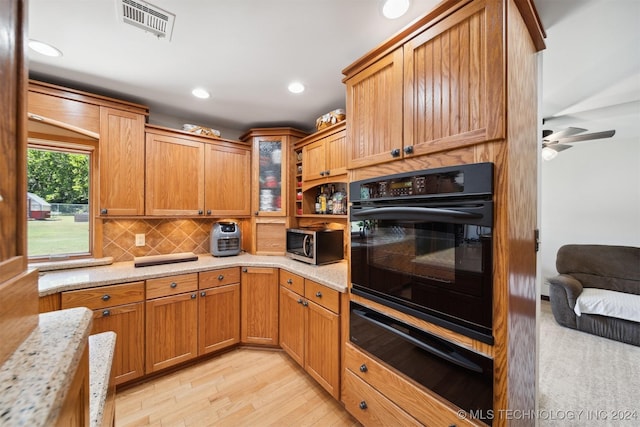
(245, 52)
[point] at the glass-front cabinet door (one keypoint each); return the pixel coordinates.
(271, 183)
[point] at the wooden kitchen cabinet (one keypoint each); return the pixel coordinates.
(218, 309)
(121, 162)
(171, 321)
(324, 156)
(310, 328)
(74, 411)
(117, 308)
(374, 112)
(191, 175)
(259, 306)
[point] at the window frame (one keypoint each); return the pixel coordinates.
(81, 146)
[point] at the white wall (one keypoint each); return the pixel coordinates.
(590, 194)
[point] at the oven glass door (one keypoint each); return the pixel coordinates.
(437, 269)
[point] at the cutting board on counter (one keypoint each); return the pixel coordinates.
(145, 261)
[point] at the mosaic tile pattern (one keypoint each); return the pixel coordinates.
(162, 236)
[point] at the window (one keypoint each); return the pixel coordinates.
(59, 220)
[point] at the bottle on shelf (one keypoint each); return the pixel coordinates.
(330, 199)
(339, 203)
(322, 201)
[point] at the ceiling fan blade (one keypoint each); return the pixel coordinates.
(555, 136)
(587, 137)
(555, 146)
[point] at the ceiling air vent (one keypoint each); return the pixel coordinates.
(147, 17)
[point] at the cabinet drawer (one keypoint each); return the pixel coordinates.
(172, 285)
(320, 294)
(103, 296)
(292, 281)
(370, 407)
(423, 406)
(221, 277)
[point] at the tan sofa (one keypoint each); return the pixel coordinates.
(613, 268)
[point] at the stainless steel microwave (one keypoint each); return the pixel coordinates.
(315, 245)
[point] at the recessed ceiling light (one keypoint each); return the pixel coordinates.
(200, 93)
(44, 48)
(296, 87)
(393, 9)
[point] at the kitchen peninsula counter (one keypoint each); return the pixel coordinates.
(333, 275)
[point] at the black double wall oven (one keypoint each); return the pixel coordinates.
(421, 243)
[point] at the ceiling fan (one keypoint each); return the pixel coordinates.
(554, 142)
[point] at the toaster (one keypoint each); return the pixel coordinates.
(225, 239)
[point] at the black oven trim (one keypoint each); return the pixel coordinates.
(439, 320)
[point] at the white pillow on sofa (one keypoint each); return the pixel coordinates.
(608, 303)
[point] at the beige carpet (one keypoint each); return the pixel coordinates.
(586, 380)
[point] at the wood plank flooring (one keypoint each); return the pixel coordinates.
(244, 387)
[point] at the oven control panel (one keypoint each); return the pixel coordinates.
(413, 186)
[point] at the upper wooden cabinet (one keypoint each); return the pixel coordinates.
(438, 87)
(189, 175)
(324, 155)
(121, 162)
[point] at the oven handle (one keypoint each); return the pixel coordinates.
(414, 213)
(455, 359)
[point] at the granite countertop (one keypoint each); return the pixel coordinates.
(36, 377)
(331, 275)
(101, 351)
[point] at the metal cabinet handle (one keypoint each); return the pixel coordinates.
(327, 172)
(321, 173)
(363, 368)
(363, 405)
(193, 296)
(220, 277)
(173, 285)
(408, 149)
(299, 300)
(244, 270)
(289, 281)
(208, 211)
(103, 211)
(106, 297)
(203, 294)
(395, 152)
(305, 303)
(106, 313)
(319, 294)
(200, 212)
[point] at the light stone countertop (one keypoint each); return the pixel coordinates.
(34, 380)
(331, 275)
(101, 351)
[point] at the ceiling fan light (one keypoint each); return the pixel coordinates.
(296, 87)
(200, 93)
(548, 153)
(393, 9)
(44, 48)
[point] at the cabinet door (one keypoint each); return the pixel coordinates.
(174, 172)
(219, 318)
(292, 324)
(322, 353)
(270, 154)
(259, 323)
(313, 160)
(127, 321)
(228, 180)
(336, 154)
(121, 162)
(374, 112)
(171, 331)
(454, 82)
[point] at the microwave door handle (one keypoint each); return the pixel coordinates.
(305, 244)
(414, 213)
(455, 358)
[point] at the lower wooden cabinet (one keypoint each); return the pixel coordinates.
(259, 297)
(218, 309)
(75, 408)
(310, 332)
(117, 308)
(172, 321)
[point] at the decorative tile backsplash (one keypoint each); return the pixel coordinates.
(162, 236)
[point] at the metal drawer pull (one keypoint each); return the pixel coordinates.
(363, 368)
(305, 303)
(299, 300)
(289, 281)
(106, 313)
(173, 285)
(220, 277)
(203, 294)
(193, 296)
(106, 297)
(319, 294)
(363, 405)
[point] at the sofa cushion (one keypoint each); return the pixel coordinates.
(608, 303)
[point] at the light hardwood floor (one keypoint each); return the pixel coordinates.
(244, 387)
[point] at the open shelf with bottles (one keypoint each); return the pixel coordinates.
(306, 205)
